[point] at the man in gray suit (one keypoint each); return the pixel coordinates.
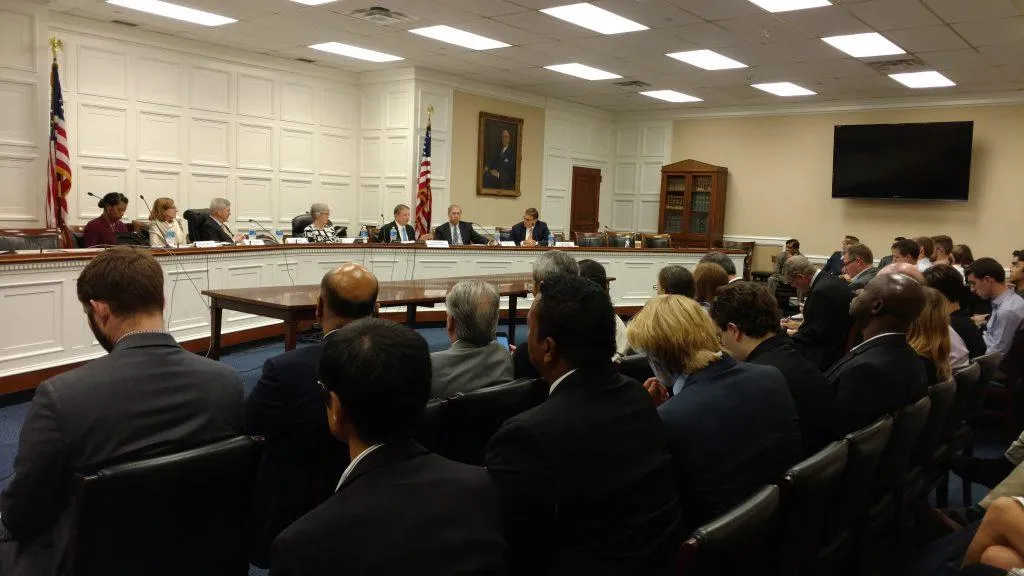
(476, 359)
(147, 397)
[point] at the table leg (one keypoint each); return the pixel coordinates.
(291, 335)
(512, 319)
(216, 313)
(410, 316)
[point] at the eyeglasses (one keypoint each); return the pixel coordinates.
(327, 393)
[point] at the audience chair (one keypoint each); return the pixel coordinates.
(740, 542)
(637, 367)
(942, 396)
(619, 239)
(373, 231)
(504, 234)
(657, 241)
(196, 217)
(748, 259)
(956, 435)
(464, 423)
(591, 239)
(1002, 394)
(183, 513)
(299, 224)
(809, 490)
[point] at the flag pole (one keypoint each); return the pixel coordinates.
(56, 45)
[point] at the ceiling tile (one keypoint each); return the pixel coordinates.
(808, 50)
(825, 21)
(540, 23)
(954, 59)
(502, 32)
(928, 39)
(960, 11)
(844, 68)
(718, 9)
(992, 32)
(707, 35)
(486, 8)
(764, 28)
(650, 13)
(242, 41)
(1006, 54)
(894, 14)
(650, 43)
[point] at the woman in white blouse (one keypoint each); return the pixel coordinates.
(163, 219)
(320, 230)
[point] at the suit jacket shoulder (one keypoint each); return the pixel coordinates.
(465, 367)
(212, 230)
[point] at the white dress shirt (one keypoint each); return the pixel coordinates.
(877, 337)
(559, 381)
(355, 461)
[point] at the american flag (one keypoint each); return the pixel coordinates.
(423, 195)
(59, 167)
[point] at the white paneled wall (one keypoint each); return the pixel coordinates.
(440, 97)
(387, 146)
(641, 149)
(574, 139)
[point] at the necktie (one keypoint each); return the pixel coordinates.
(402, 233)
(456, 237)
(529, 233)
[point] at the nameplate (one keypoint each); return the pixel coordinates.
(346, 240)
(508, 243)
(408, 242)
(207, 244)
(252, 242)
(437, 243)
(565, 244)
(296, 241)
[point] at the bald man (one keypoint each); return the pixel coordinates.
(905, 269)
(883, 373)
(287, 408)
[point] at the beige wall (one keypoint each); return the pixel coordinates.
(780, 180)
(493, 210)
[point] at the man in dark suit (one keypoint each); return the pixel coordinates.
(287, 408)
(834, 265)
(883, 373)
(748, 316)
(404, 232)
(216, 226)
(397, 509)
(500, 169)
(531, 231)
(147, 397)
(585, 477)
(822, 335)
(545, 266)
(858, 267)
(456, 232)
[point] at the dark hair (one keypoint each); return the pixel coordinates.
(907, 247)
(851, 239)
(943, 241)
(130, 281)
(532, 213)
(861, 251)
(947, 280)
(578, 315)
(748, 305)
(341, 305)
(722, 260)
(987, 268)
(112, 199)
(1018, 254)
(380, 371)
(962, 255)
(594, 271)
(925, 243)
(793, 242)
(898, 239)
(676, 280)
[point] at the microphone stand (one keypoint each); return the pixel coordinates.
(493, 239)
(265, 229)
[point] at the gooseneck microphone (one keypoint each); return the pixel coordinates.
(264, 228)
(144, 201)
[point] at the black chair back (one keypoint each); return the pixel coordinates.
(941, 396)
(865, 452)
(504, 234)
(637, 367)
(183, 513)
(460, 427)
(739, 542)
(989, 366)
(299, 224)
(196, 217)
(618, 240)
(810, 490)
(591, 239)
(967, 388)
(906, 431)
(1012, 365)
(657, 241)
(29, 241)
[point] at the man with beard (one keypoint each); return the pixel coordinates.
(147, 397)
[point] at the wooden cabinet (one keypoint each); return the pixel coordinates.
(692, 207)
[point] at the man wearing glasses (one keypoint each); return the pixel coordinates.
(858, 266)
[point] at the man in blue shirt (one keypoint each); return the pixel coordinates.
(988, 280)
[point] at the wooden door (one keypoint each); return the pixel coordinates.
(586, 198)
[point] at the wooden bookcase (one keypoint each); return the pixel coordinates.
(692, 208)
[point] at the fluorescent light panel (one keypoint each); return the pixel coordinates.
(784, 89)
(707, 59)
(787, 5)
(594, 18)
(930, 79)
(583, 71)
(459, 37)
(314, 2)
(168, 10)
(355, 52)
(864, 45)
(671, 96)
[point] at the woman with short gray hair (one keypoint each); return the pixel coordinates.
(321, 229)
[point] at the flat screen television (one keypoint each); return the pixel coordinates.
(926, 161)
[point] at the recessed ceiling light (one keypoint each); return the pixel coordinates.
(168, 10)
(355, 52)
(787, 5)
(707, 59)
(459, 37)
(784, 89)
(864, 45)
(314, 2)
(583, 71)
(671, 96)
(594, 18)
(930, 79)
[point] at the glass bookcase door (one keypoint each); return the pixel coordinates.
(700, 204)
(675, 204)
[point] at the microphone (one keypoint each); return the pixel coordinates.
(493, 239)
(264, 228)
(93, 195)
(144, 201)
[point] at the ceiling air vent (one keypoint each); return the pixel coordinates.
(306, 60)
(125, 23)
(633, 84)
(380, 15)
(899, 66)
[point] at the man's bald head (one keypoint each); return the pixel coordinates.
(905, 269)
(891, 302)
(348, 292)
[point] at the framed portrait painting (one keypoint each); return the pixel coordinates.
(499, 160)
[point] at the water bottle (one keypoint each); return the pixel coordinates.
(364, 236)
(280, 236)
(171, 237)
(394, 235)
(551, 239)
(252, 233)
(628, 241)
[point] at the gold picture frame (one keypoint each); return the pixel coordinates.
(501, 179)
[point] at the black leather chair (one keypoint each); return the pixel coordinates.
(956, 434)
(183, 513)
(196, 217)
(809, 491)
(942, 396)
(460, 427)
(18, 240)
(739, 542)
(504, 234)
(617, 240)
(657, 241)
(591, 239)
(637, 367)
(299, 224)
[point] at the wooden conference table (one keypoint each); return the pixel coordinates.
(295, 304)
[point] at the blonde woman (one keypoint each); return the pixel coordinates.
(165, 228)
(929, 337)
(321, 230)
(731, 427)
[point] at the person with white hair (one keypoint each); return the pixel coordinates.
(216, 227)
(321, 229)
